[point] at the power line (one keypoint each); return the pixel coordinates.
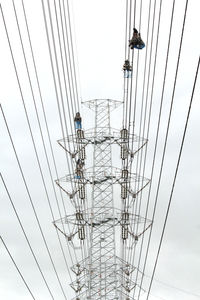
(136, 208)
(148, 127)
(126, 28)
(59, 81)
(68, 62)
(158, 297)
(166, 138)
(175, 176)
(146, 53)
(142, 132)
(46, 123)
(144, 121)
(54, 79)
(41, 99)
(18, 270)
(137, 73)
(56, 60)
(25, 235)
(54, 74)
(41, 133)
(31, 133)
(174, 287)
(30, 198)
(80, 205)
(159, 118)
(72, 47)
(62, 63)
(52, 32)
(125, 51)
(127, 86)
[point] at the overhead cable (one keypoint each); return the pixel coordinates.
(26, 237)
(166, 138)
(31, 201)
(18, 270)
(175, 176)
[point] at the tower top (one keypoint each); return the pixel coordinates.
(103, 103)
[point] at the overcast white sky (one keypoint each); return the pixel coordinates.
(99, 27)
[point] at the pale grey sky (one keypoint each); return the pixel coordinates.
(99, 27)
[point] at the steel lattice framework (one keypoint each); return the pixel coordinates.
(103, 277)
(102, 274)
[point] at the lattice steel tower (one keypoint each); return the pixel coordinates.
(102, 253)
(98, 225)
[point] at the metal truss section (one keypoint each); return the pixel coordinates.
(112, 217)
(124, 283)
(75, 225)
(102, 104)
(79, 284)
(125, 267)
(132, 142)
(83, 296)
(103, 176)
(79, 267)
(97, 296)
(65, 184)
(102, 277)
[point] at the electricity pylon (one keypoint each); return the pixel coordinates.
(99, 224)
